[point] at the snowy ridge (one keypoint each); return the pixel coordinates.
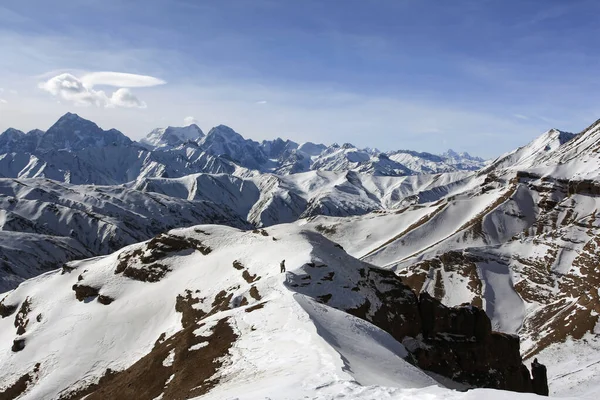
(45, 223)
(53, 222)
(205, 312)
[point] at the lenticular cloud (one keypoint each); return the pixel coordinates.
(81, 92)
(120, 79)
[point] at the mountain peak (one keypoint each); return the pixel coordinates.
(172, 136)
(72, 132)
(12, 132)
(69, 116)
(194, 126)
(223, 133)
(71, 120)
(559, 135)
(451, 153)
(223, 130)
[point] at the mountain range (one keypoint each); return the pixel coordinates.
(389, 257)
(75, 150)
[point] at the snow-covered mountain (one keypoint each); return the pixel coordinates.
(205, 313)
(75, 150)
(45, 223)
(73, 133)
(15, 141)
(516, 237)
(519, 239)
(172, 136)
(38, 215)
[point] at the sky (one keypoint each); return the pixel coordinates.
(483, 76)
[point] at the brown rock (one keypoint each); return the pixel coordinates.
(106, 300)
(82, 292)
(18, 345)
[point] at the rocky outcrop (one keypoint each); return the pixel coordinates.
(7, 309)
(454, 342)
(458, 342)
(142, 263)
(83, 292)
(540, 378)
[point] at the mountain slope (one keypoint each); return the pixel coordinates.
(45, 223)
(205, 311)
(519, 239)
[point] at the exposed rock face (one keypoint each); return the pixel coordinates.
(17, 388)
(398, 313)
(7, 309)
(18, 345)
(455, 342)
(459, 343)
(83, 292)
(467, 321)
(142, 264)
(540, 378)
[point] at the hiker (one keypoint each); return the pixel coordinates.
(282, 265)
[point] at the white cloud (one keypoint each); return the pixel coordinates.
(70, 88)
(80, 91)
(189, 121)
(261, 102)
(12, 91)
(521, 116)
(124, 98)
(119, 79)
(3, 101)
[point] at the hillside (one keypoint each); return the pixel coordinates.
(45, 223)
(521, 241)
(206, 312)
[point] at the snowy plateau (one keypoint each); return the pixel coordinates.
(151, 269)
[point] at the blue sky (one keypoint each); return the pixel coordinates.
(483, 76)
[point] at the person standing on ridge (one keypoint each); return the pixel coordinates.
(282, 265)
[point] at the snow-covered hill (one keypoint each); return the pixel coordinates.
(45, 223)
(205, 312)
(52, 222)
(268, 199)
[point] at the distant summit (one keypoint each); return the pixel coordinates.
(173, 136)
(72, 133)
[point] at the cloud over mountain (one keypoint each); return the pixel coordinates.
(81, 92)
(189, 121)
